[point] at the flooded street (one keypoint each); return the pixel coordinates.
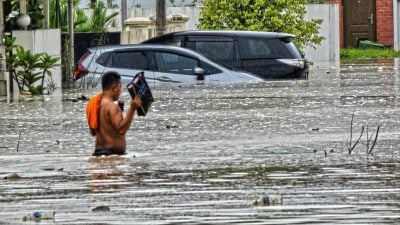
(204, 154)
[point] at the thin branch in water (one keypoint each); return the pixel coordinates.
(368, 139)
(355, 144)
(351, 129)
(19, 138)
(376, 138)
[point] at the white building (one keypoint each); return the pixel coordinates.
(145, 3)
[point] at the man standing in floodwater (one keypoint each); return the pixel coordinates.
(105, 117)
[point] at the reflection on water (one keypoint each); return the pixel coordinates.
(205, 153)
(106, 174)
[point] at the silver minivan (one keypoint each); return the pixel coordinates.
(160, 63)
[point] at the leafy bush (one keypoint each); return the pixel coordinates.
(27, 68)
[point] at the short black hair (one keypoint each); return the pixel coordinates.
(109, 79)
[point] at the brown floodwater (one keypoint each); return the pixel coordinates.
(205, 153)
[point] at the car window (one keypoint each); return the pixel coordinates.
(174, 63)
(176, 41)
(130, 60)
(293, 50)
(222, 50)
(103, 58)
(253, 48)
(209, 69)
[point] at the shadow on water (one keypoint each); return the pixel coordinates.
(204, 154)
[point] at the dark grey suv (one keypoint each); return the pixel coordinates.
(268, 54)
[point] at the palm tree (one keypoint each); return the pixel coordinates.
(60, 8)
(99, 20)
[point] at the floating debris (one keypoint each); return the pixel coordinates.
(268, 200)
(101, 208)
(12, 176)
(40, 215)
(81, 98)
(170, 126)
(48, 168)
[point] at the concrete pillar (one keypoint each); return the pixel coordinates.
(22, 6)
(176, 22)
(137, 29)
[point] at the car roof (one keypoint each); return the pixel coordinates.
(257, 34)
(143, 46)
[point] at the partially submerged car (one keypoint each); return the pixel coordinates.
(160, 63)
(270, 55)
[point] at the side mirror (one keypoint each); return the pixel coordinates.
(199, 72)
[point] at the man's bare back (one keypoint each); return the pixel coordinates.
(107, 136)
(110, 134)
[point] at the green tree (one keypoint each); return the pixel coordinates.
(79, 15)
(99, 20)
(262, 15)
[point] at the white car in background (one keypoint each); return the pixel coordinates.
(160, 63)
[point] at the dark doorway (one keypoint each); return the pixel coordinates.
(359, 21)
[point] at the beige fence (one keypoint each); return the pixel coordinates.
(139, 29)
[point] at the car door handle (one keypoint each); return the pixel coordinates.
(164, 79)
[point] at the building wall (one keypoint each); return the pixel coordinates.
(329, 50)
(384, 21)
(339, 2)
(41, 41)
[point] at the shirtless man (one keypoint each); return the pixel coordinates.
(110, 135)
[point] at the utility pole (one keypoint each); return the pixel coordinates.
(124, 14)
(46, 14)
(58, 14)
(3, 69)
(161, 19)
(2, 44)
(70, 37)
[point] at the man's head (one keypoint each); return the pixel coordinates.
(111, 82)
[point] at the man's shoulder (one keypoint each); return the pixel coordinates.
(109, 106)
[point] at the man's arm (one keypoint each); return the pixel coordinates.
(122, 124)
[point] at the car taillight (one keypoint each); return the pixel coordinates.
(80, 69)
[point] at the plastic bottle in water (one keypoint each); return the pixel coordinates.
(40, 215)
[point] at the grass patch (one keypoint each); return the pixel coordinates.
(358, 54)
